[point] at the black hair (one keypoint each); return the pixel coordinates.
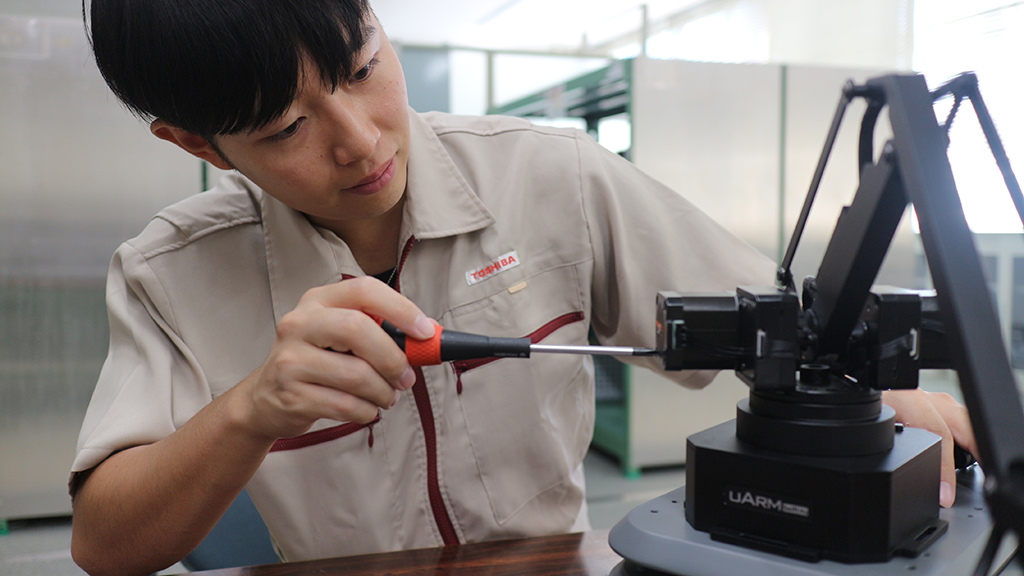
(217, 67)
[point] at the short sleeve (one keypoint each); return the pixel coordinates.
(150, 383)
(648, 238)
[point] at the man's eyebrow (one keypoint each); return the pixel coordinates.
(369, 33)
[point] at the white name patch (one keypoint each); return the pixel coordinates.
(500, 264)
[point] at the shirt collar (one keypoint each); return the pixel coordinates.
(439, 203)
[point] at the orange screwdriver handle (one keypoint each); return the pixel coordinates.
(451, 345)
(418, 352)
(424, 352)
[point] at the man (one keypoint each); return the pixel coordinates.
(244, 348)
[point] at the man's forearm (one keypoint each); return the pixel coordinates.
(147, 507)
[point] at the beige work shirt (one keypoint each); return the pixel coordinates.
(509, 230)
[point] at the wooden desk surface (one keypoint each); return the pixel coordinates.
(580, 554)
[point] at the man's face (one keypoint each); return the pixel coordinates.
(337, 157)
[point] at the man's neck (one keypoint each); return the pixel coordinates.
(373, 241)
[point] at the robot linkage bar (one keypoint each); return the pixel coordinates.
(965, 306)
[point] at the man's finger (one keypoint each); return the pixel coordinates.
(915, 408)
(956, 417)
(346, 330)
(372, 296)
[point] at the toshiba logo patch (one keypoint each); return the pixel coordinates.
(500, 264)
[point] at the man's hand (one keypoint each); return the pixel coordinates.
(940, 414)
(331, 359)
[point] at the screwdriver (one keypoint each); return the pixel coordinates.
(447, 345)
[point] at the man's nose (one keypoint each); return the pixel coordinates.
(355, 134)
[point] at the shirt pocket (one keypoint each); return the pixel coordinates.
(326, 434)
(529, 421)
(312, 491)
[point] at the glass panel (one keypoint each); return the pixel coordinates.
(922, 275)
(990, 268)
(80, 176)
(427, 78)
(1017, 330)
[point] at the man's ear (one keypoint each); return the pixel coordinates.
(189, 142)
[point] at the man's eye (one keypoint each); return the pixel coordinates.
(289, 131)
(364, 72)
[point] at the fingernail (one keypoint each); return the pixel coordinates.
(424, 327)
(408, 379)
(395, 401)
(946, 494)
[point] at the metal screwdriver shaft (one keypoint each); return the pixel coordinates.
(598, 350)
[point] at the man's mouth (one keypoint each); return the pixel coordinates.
(376, 181)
